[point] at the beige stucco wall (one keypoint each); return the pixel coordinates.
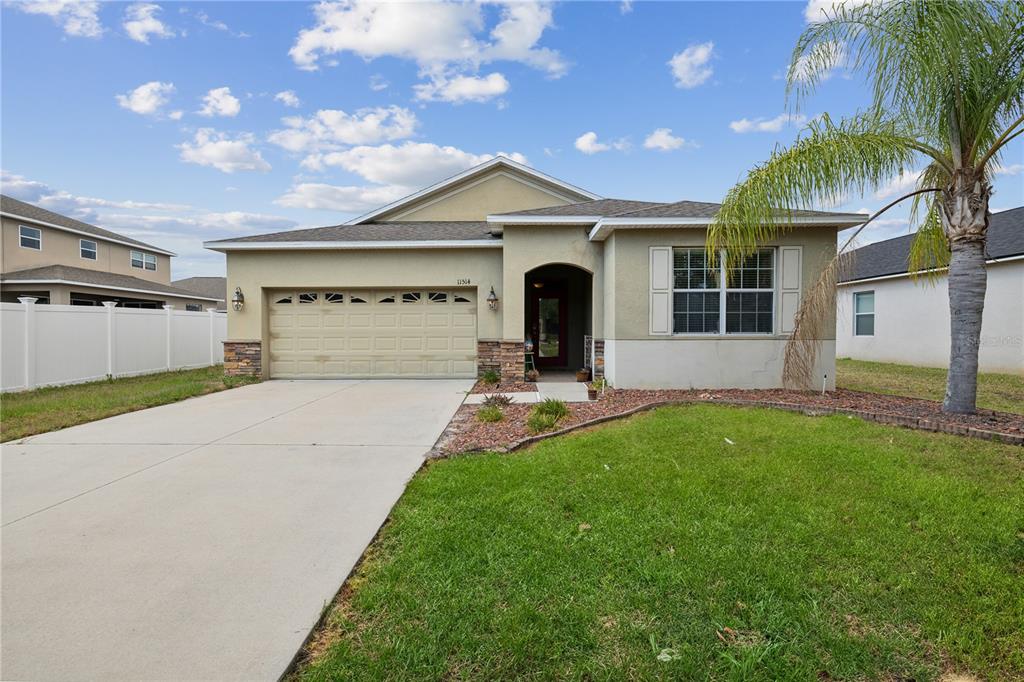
(257, 271)
(498, 192)
(629, 275)
(62, 248)
(530, 246)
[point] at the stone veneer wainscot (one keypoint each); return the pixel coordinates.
(243, 358)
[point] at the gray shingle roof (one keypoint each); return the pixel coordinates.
(624, 208)
(32, 212)
(211, 287)
(383, 232)
(597, 207)
(67, 273)
(890, 257)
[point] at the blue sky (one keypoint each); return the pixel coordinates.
(181, 122)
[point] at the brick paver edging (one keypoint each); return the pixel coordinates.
(918, 423)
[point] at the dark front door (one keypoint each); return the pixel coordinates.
(550, 326)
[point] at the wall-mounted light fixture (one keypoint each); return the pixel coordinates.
(238, 300)
(492, 300)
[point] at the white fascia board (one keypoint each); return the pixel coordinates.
(901, 275)
(365, 245)
(490, 163)
(106, 286)
(512, 219)
(34, 221)
(607, 225)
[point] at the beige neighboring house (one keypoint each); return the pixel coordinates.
(60, 260)
(215, 287)
(577, 280)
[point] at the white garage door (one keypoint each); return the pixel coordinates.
(343, 333)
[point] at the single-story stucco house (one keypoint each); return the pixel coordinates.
(884, 315)
(473, 272)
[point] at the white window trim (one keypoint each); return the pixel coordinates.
(39, 238)
(856, 314)
(723, 291)
(145, 256)
(95, 249)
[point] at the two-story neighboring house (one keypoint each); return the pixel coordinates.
(60, 260)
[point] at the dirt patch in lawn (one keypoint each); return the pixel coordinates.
(466, 433)
(504, 387)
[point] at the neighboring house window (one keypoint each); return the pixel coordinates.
(696, 297)
(194, 307)
(31, 237)
(864, 313)
(750, 295)
(698, 304)
(143, 261)
(87, 249)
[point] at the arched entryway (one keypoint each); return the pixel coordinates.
(558, 315)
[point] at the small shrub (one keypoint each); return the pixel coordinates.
(497, 400)
(490, 377)
(552, 407)
(489, 413)
(538, 422)
(598, 384)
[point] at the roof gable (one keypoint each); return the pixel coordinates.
(497, 185)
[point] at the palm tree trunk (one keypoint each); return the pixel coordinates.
(964, 213)
(967, 281)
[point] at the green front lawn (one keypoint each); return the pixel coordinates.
(807, 549)
(46, 409)
(1003, 392)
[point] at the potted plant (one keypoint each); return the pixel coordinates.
(595, 386)
(583, 374)
(532, 375)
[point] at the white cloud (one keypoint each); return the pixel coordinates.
(176, 115)
(147, 99)
(447, 40)
(346, 199)
(900, 184)
(1012, 169)
(220, 102)
(287, 98)
(394, 171)
(378, 82)
(766, 125)
(461, 89)
(141, 22)
(589, 144)
(76, 18)
(663, 140)
(220, 151)
(626, 6)
(329, 128)
(690, 67)
(815, 10)
(411, 164)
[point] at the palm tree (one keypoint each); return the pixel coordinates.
(947, 91)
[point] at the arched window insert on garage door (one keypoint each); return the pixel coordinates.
(334, 297)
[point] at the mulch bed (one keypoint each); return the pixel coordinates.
(465, 433)
(504, 387)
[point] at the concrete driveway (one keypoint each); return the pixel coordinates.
(201, 540)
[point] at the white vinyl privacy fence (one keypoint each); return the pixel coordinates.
(45, 345)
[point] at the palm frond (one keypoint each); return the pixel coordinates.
(821, 167)
(929, 252)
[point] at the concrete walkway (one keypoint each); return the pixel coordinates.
(201, 540)
(568, 392)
